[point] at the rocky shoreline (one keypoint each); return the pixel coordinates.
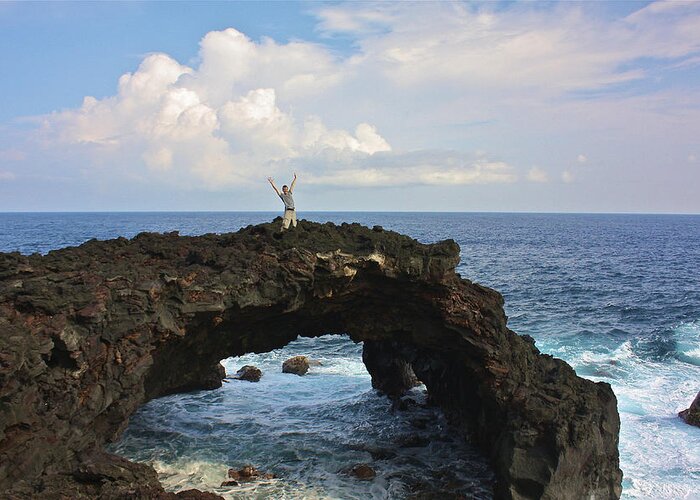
(91, 333)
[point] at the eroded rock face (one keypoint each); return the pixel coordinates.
(88, 334)
(692, 414)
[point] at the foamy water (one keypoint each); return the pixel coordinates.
(308, 430)
(659, 453)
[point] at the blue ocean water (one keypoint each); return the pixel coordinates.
(616, 296)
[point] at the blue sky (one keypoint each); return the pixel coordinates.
(584, 107)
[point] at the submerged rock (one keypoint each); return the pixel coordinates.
(248, 473)
(297, 365)
(363, 472)
(192, 495)
(692, 414)
(249, 373)
(88, 334)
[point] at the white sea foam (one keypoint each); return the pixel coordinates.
(659, 453)
(688, 343)
(186, 474)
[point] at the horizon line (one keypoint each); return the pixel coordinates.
(524, 212)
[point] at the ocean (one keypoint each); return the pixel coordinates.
(616, 296)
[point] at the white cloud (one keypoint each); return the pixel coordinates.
(421, 75)
(213, 124)
(536, 174)
(159, 159)
(564, 48)
(7, 176)
(692, 158)
(438, 168)
(567, 176)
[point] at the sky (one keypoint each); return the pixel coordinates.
(426, 106)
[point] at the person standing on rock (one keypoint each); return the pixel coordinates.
(290, 215)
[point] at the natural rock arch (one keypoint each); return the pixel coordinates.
(90, 333)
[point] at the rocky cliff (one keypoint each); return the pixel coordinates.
(88, 334)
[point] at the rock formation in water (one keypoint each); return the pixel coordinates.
(692, 415)
(88, 334)
(249, 373)
(297, 365)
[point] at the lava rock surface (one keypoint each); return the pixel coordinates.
(90, 333)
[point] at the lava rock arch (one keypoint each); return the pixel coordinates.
(92, 332)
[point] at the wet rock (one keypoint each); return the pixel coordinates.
(392, 374)
(249, 373)
(230, 482)
(692, 415)
(248, 473)
(403, 404)
(297, 365)
(363, 472)
(197, 495)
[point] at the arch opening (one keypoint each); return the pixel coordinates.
(309, 431)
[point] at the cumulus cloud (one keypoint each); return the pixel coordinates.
(567, 176)
(213, 123)
(421, 75)
(536, 174)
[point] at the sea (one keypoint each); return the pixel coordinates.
(617, 296)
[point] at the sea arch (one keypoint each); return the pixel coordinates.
(111, 325)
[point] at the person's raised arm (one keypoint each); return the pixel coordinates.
(272, 183)
(294, 181)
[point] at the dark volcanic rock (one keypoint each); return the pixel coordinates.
(249, 373)
(195, 495)
(391, 373)
(297, 365)
(692, 414)
(88, 334)
(363, 471)
(248, 473)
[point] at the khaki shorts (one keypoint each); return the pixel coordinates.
(290, 216)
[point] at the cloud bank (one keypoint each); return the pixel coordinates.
(424, 90)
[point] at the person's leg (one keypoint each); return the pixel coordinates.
(286, 220)
(294, 218)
